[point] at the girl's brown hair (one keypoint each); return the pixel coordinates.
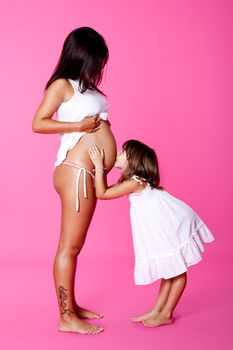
(142, 162)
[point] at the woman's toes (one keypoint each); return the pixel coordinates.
(92, 330)
(97, 329)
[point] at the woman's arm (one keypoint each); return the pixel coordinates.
(53, 97)
(102, 191)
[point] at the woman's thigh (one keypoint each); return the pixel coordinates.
(74, 224)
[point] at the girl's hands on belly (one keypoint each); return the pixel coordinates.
(103, 138)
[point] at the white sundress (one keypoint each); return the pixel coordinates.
(168, 235)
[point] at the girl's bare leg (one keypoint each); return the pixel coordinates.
(165, 316)
(164, 290)
(74, 226)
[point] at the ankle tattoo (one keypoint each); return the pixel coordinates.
(63, 297)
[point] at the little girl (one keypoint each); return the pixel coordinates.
(168, 235)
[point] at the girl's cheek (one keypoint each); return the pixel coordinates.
(125, 163)
(118, 162)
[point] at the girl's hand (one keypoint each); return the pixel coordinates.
(97, 155)
(90, 124)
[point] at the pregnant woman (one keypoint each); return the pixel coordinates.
(82, 119)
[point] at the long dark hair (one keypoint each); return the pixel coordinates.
(142, 162)
(83, 57)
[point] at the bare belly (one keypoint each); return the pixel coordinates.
(103, 138)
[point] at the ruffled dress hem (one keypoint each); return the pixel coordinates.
(153, 268)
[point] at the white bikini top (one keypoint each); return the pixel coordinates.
(78, 107)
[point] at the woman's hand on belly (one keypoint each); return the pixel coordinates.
(90, 124)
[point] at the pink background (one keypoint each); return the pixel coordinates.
(169, 84)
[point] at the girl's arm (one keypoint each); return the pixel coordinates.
(53, 97)
(102, 191)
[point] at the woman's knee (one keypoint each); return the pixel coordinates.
(68, 251)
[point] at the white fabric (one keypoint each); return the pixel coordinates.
(168, 235)
(78, 107)
(77, 181)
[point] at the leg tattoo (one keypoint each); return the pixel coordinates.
(63, 296)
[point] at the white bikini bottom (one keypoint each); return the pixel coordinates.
(85, 171)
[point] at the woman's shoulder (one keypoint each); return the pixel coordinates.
(59, 83)
(62, 87)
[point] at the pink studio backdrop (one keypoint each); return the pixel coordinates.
(169, 84)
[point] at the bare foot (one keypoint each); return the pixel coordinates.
(77, 326)
(84, 313)
(148, 315)
(158, 321)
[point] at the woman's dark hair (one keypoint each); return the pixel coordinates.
(83, 57)
(142, 162)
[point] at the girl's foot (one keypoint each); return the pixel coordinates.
(77, 326)
(148, 315)
(84, 313)
(158, 321)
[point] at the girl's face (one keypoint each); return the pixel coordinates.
(121, 160)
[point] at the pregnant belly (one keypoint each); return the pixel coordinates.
(103, 138)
